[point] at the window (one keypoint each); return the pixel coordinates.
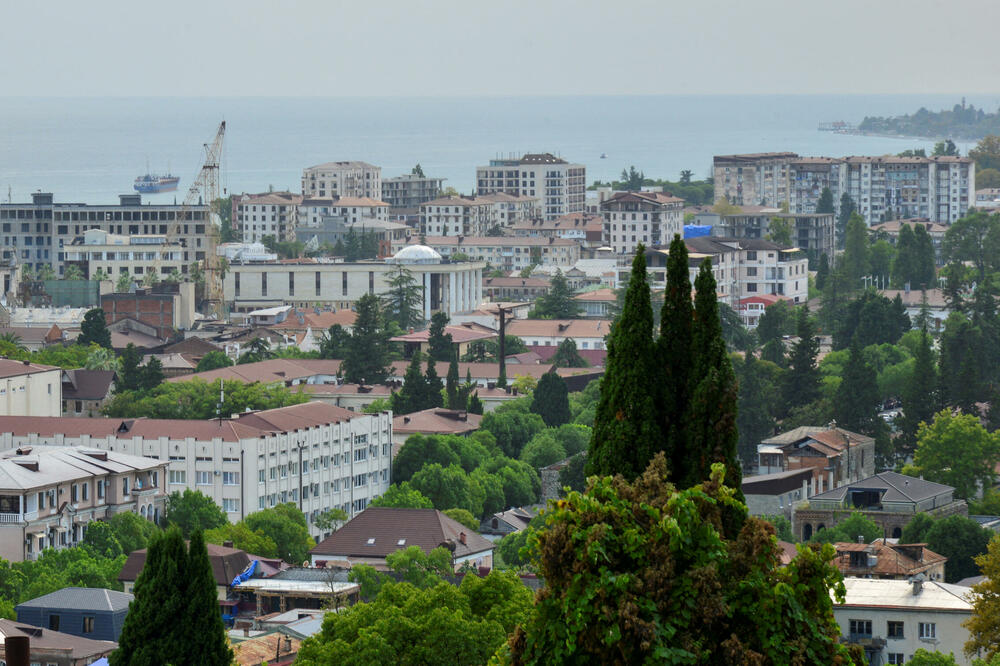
(752, 271)
(175, 476)
(54, 622)
(360, 454)
(751, 255)
(291, 283)
(230, 478)
(74, 493)
(895, 658)
(263, 284)
(88, 625)
(927, 630)
(124, 486)
(261, 476)
(861, 628)
(895, 629)
(203, 478)
(230, 505)
(360, 480)
(85, 488)
(100, 489)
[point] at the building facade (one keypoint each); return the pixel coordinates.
(815, 233)
(647, 218)
(342, 179)
(48, 494)
(507, 253)
(559, 186)
(137, 255)
(29, 389)
(407, 192)
(38, 234)
(457, 216)
(315, 455)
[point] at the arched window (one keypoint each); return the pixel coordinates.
(897, 533)
(807, 532)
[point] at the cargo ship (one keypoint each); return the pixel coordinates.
(153, 184)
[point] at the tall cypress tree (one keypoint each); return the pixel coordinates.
(155, 631)
(802, 380)
(367, 357)
(920, 393)
(455, 399)
(857, 403)
(626, 427)
(551, 400)
(206, 635)
(410, 396)
(711, 419)
(754, 418)
(432, 386)
(673, 350)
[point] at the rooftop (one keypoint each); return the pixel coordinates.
(81, 598)
(899, 594)
(29, 467)
(47, 640)
(566, 328)
(437, 421)
(896, 487)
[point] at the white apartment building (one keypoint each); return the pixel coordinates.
(410, 190)
(510, 209)
(941, 189)
(457, 216)
(313, 454)
(343, 179)
(559, 186)
(49, 494)
(508, 253)
(649, 218)
(446, 287)
(30, 389)
(270, 214)
(892, 619)
(137, 255)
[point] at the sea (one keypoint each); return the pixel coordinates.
(90, 149)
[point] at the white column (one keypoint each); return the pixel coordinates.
(463, 291)
(477, 289)
(452, 293)
(427, 296)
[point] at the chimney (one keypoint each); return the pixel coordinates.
(27, 362)
(227, 544)
(288, 643)
(461, 537)
(918, 583)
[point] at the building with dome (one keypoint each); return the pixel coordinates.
(453, 287)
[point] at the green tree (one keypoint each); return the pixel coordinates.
(331, 519)
(191, 511)
(856, 527)
(432, 387)
(463, 517)
(671, 387)
(449, 487)
(734, 333)
(417, 171)
(780, 231)
(367, 358)
(439, 343)
(512, 429)
(543, 450)
(410, 397)
(257, 350)
(132, 530)
(101, 539)
(212, 361)
(455, 396)
(961, 540)
(825, 202)
(722, 586)
(151, 374)
(242, 537)
(551, 400)
(202, 625)
(984, 625)
(94, 328)
(957, 451)
(801, 382)
(198, 399)
(857, 402)
(822, 271)
(72, 272)
(402, 496)
(101, 358)
(754, 416)
(924, 657)
(987, 153)
(419, 450)
(558, 303)
(129, 372)
(916, 530)
(847, 210)
(335, 343)
(401, 303)
(286, 525)
(987, 179)
(123, 284)
(926, 258)
(920, 399)
(572, 476)
(567, 356)
(777, 321)
(856, 251)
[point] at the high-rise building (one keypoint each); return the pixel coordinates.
(559, 186)
(342, 179)
(649, 218)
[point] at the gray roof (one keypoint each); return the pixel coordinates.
(81, 598)
(897, 487)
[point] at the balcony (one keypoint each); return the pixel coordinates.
(10, 519)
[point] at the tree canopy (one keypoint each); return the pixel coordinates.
(198, 399)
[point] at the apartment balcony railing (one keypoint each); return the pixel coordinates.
(10, 518)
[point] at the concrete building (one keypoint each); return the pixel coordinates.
(560, 186)
(49, 494)
(885, 559)
(889, 499)
(342, 179)
(165, 308)
(890, 230)
(88, 612)
(504, 289)
(587, 333)
(408, 191)
(462, 336)
(136, 255)
(29, 389)
(892, 619)
(447, 287)
(333, 229)
(649, 218)
(507, 253)
(774, 494)
(815, 233)
(273, 214)
(836, 456)
(509, 210)
(37, 234)
(457, 216)
(752, 179)
(313, 454)
(84, 392)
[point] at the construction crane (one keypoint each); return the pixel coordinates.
(205, 188)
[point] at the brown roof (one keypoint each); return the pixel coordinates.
(437, 421)
(511, 241)
(34, 334)
(915, 297)
(377, 532)
(49, 642)
(196, 346)
(317, 322)
(226, 563)
(516, 282)
(268, 372)
(11, 368)
(567, 328)
(270, 198)
(84, 384)
(261, 649)
(892, 559)
(359, 202)
(651, 197)
(598, 296)
(374, 390)
(458, 334)
(297, 417)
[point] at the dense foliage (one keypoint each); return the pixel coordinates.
(198, 399)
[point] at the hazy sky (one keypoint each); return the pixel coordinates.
(498, 47)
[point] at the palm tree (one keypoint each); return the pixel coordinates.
(101, 358)
(149, 279)
(101, 276)
(12, 338)
(72, 272)
(124, 283)
(46, 272)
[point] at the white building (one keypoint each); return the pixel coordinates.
(560, 186)
(342, 179)
(508, 253)
(509, 209)
(587, 333)
(238, 253)
(270, 214)
(457, 216)
(313, 454)
(136, 255)
(649, 218)
(892, 619)
(49, 494)
(30, 389)
(410, 190)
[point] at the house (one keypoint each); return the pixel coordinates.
(889, 499)
(34, 338)
(88, 612)
(892, 619)
(915, 301)
(434, 421)
(774, 494)
(884, 559)
(835, 455)
(273, 649)
(462, 336)
(29, 389)
(597, 304)
(352, 397)
(165, 307)
(588, 333)
(306, 588)
(502, 523)
(935, 230)
(515, 288)
(315, 320)
(84, 392)
(751, 308)
(377, 532)
(52, 647)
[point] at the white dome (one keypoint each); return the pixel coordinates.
(415, 254)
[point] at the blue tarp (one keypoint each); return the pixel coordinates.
(696, 230)
(246, 574)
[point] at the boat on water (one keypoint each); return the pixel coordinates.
(604, 156)
(153, 184)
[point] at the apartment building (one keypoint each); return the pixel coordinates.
(137, 255)
(313, 454)
(940, 188)
(343, 179)
(273, 214)
(49, 494)
(457, 216)
(29, 389)
(510, 210)
(560, 186)
(815, 233)
(311, 283)
(585, 228)
(37, 234)
(407, 192)
(890, 230)
(647, 218)
(508, 253)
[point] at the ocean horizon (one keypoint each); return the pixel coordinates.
(90, 149)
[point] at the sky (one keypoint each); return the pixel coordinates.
(332, 48)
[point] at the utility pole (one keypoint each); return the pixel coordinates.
(502, 377)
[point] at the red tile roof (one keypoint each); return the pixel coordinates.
(437, 421)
